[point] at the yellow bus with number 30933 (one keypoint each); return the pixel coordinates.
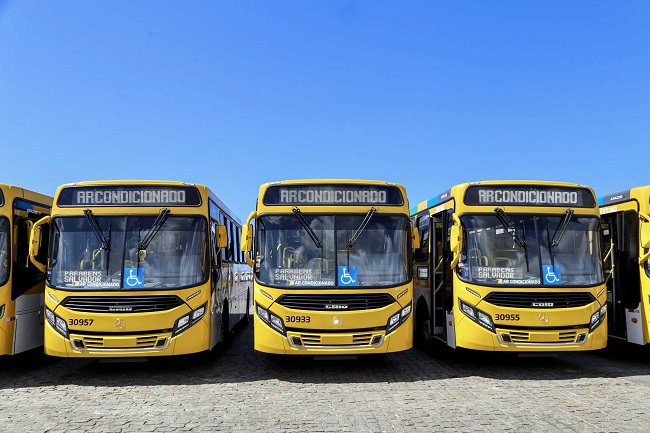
(332, 267)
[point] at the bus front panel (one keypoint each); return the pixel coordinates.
(333, 323)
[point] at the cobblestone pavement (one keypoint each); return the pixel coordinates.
(238, 389)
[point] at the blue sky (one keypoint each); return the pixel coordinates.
(234, 94)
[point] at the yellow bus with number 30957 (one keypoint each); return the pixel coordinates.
(139, 269)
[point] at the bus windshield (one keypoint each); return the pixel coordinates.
(524, 253)
(175, 255)
(343, 250)
(4, 250)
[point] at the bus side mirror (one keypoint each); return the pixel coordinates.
(454, 239)
(415, 236)
(222, 237)
(35, 241)
(247, 238)
(644, 231)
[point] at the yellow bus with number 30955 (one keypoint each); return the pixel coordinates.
(510, 266)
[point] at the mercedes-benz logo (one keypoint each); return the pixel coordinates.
(542, 318)
(337, 321)
(120, 323)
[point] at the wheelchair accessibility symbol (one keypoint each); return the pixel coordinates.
(552, 274)
(133, 277)
(348, 276)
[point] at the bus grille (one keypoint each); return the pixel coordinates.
(540, 300)
(121, 304)
(336, 302)
(522, 337)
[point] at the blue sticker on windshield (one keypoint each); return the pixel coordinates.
(552, 274)
(348, 276)
(133, 277)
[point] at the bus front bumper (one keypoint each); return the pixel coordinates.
(144, 344)
(470, 335)
(308, 342)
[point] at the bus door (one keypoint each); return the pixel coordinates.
(620, 237)
(28, 282)
(441, 307)
(216, 286)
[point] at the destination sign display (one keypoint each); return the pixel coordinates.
(318, 195)
(131, 195)
(534, 195)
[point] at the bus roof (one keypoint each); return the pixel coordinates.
(446, 195)
(117, 182)
(622, 196)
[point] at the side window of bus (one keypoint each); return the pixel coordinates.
(25, 275)
(238, 251)
(213, 240)
(422, 253)
(231, 241)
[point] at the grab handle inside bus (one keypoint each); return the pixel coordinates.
(35, 241)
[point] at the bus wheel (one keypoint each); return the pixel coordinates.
(225, 323)
(423, 333)
(248, 305)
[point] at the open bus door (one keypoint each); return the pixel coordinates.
(620, 240)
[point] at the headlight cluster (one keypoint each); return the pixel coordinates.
(398, 318)
(57, 323)
(597, 318)
(188, 320)
(270, 319)
(478, 316)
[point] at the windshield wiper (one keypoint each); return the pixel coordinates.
(559, 232)
(157, 224)
(104, 242)
(310, 232)
(519, 240)
(363, 225)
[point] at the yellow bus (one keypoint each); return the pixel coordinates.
(332, 267)
(625, 231)
(21, 284)
(510, 266)
(140, 269)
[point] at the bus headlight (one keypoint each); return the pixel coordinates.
(597, 318)
(477, 316)
(188, 320)
(398, 318)
(275, 322)
(57, 323)
(2, 311)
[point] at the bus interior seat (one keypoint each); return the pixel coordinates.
(475, 254)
